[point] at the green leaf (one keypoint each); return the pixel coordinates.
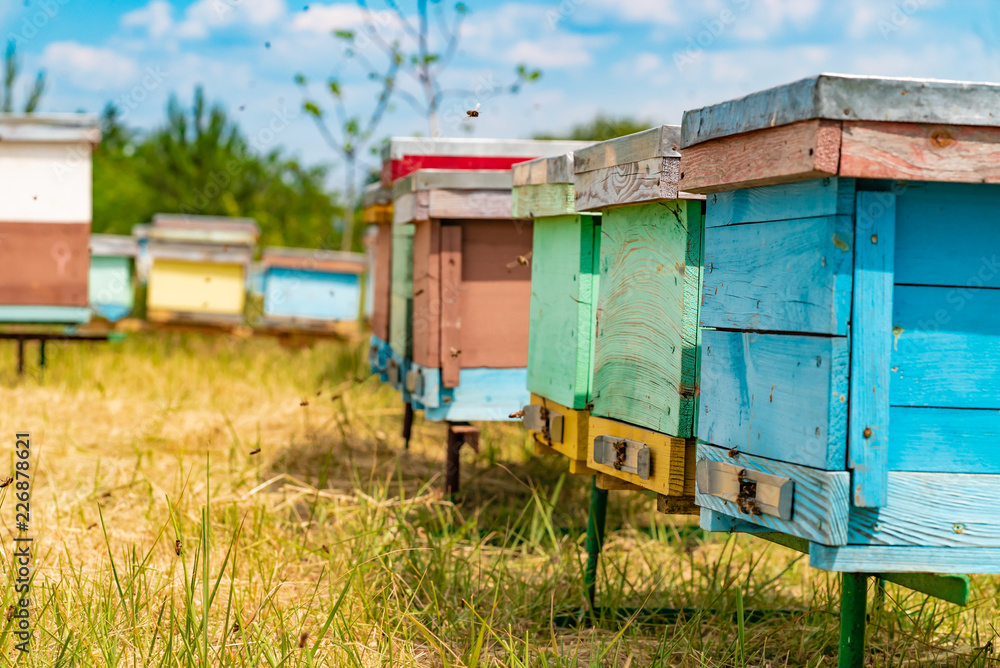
(344, 34)
(300, 79)
(431, 58)
(461, 8)
(334, 86)
(313, 108)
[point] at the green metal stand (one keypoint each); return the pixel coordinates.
(41, 354)
(853, 610)
(595, 536)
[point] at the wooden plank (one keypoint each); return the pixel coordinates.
(645, 356)
(310, 295)
(658, 142)
(540, 201)
(784, 276)
(821, 498)
(382, 282)
(933, 510)
(929, 253)
(189, 287)
(426, 318)
(551, 169)
(451, 314)
(613, 484)
(401, 300)
(671, 459)
(70, 315)
(113, 245)
(871, 348)
(564, 288)
(43, 264)
(946, 347)
(778, 396)
(893, 559)
(496, 294)
(377, 214)
(797, 152)
(947, 440)
(46, 182)
(676, 505)
(647, 180)
(713, 520)
(487, 395)
(316, 259)
(786, 201)
(575, 439)
(470, 204)
(921, 152)
(410, 207)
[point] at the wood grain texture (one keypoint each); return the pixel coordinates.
(575, 440)
(44, 264)
(540, 201)
(921, 152)
(487, 395)
(426, 319)
(871, 348)
(645, 355)
(672, 468)
(469, 204)
(381, 283)
(890, 559)
(565, 280)
(929, 253)
(552, 169)
(401, 301)
(647, 180)
(410, 207)
(946, 347)
(932, 510)
(821, 500)
(784, 276)
(451, 315)
(946, 440)
(658, 142)
(778, 396)
(796, 152)
(713, 520)
(831, 196)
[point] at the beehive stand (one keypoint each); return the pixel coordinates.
(42, 338)
(850, 373)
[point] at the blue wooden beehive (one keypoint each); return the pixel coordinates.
(111, 290)
(312, 289)
(850, 345)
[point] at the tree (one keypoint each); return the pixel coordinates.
(413, 50)
(603, 128)
(200, 163)
(10, 74)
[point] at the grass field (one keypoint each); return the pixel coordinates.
(332, 546)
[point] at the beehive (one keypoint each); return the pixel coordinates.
(644, 388)
(199, 268)
(400, 158)
(850, 366)
(471, 292)
(564, 285)
(45, 216)
(111, 290)
(309, 288)
(377, 214)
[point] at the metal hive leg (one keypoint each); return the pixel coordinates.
(407, 424)
(595, 536)
(459, 434)
(853, 609)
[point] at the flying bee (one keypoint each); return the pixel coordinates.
(6, 482)
(303, 638)
(521, 260)
(474, 113)
(516, 414)
(255, 451)
(303, 403)
(10, 612)
(91, 526)
(177, 546)
(733, 452)
(455, 352)
(236, 628)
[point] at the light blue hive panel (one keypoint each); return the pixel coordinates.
(313, 295)
(110, 286)
(482, 394)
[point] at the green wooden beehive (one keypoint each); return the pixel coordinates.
(564, 281)
(646, 342)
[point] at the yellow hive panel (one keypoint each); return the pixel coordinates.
(574, 441)
(196, 287)
(672, 459)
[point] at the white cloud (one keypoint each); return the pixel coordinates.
(552, 52)
(324, 19)
(89, 67)
(204, 16)
(658, 12)
(156, 17)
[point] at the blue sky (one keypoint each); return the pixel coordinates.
(643, 58)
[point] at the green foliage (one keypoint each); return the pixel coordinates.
(10, 74)
(200, 163)
(602, 128)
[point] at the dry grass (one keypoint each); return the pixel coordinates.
(334, 547)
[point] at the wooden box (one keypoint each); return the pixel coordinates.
(471, 290)
(850, 359)
(199, 268)
(45, 216)
(377, 213)
(646, 335)
(111, 290)
(564, 283)
(312, 289)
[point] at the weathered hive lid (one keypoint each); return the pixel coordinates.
(641, 167)
(141, 231)
(113, 245)
(313, 259)
(204, 229)
(543, 188)
(200, 252)
(851, 126)
(842, 97)
(376, 193)
(403, 155)
(49, 128)
(540, 171)
(449, 193)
